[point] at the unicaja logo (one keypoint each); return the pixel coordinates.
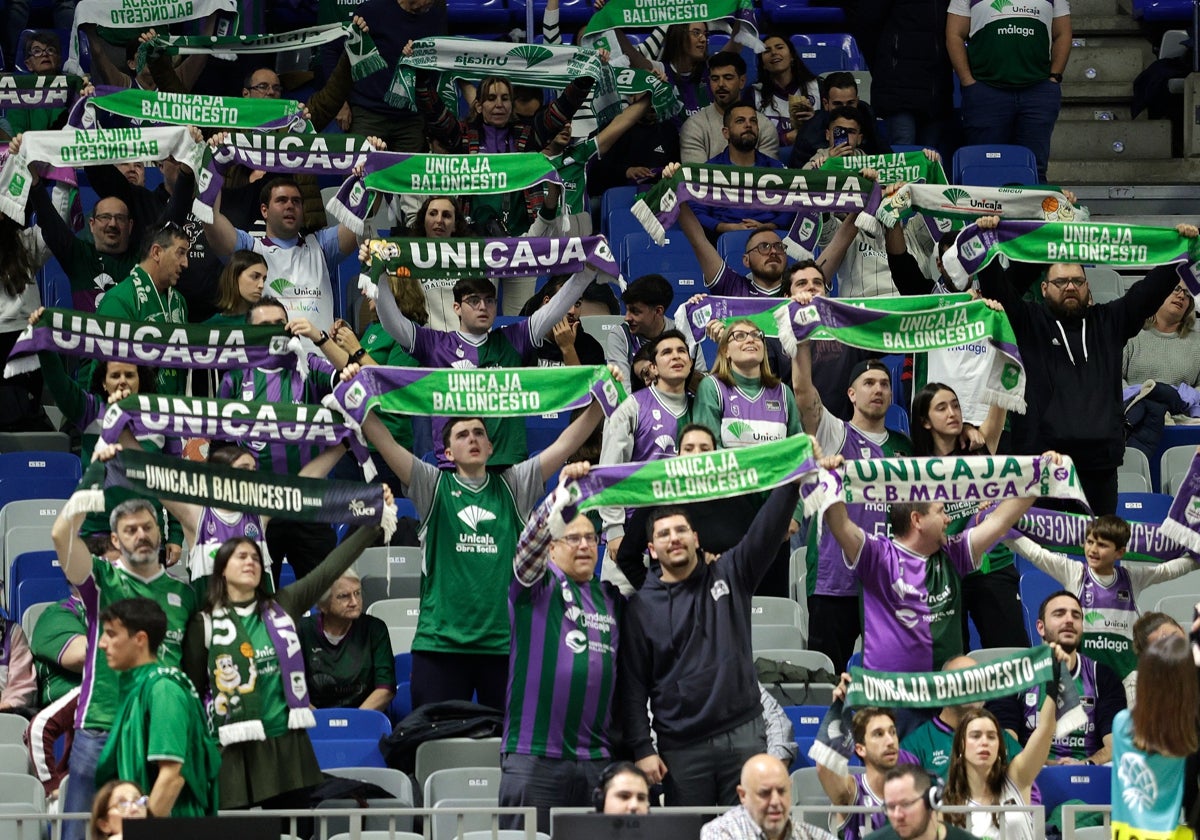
(532, 53)
(955, 195)
(474, 516)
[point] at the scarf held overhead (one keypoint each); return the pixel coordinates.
(71, 148)
(1065, 533)
(974, 478)
(954, 206)
(398, 173)
(750, 188)
(644, 14)
(269, 494)
(914, 332)
(137, 14)
(30, 90)
(484, 392)
(1132, 246)
(364, 57)
(1183, 520)
(217, 112)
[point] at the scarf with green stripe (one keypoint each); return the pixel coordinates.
(913, 332)
(485, 392)
(1065, 533)
(268, 494)
(21, 91)
(1131, 246)
(954, 206)
(364, 57)
(138, 15)
(187, 109)
(235, 703)
(1183, 520)
(400, 173)
(644, 14)
(803, 192)
(538, 65)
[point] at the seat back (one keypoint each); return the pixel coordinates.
(994, 165)
(462, 783)
(1173, 466)
(397, 612)
(1143, 507)
(447, 753)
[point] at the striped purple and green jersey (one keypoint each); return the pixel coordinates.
(279, 387)
(562, 667)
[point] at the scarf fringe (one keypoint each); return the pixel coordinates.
(1181, 534)
(642, 212)
(829, 758)
(301, 718)
(1068, 723)
(342, 214)
(242, 732)
(784, 325)
(1006, 400)
(388, 520)
(370, 63)
(25, 364)
(83, 501)
(868, 224)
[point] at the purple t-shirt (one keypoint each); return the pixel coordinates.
(911, 604)
(858, 826)
(728, 283)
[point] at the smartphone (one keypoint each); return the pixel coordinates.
(839, 136)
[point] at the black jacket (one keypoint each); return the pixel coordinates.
(1074, 407)
(910, 69)
(687, 647)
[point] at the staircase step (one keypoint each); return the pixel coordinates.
(1094, 91)
(1147, 140)
(1104, 25)
(1070, 173)
(1098, 112)
(1107, 60)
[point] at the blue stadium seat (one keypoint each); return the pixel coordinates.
(349, 737)
(732, 246)
(485, 14)
(571, 13)
(674, 260)
(897, 419)
(994, 166)
(404, 666)
(806, 720)
(287, 575)
(828, 53)
(54, 286)
(1036, 586)
(401, 705)
(345, 289)
(541, 430)
(614, 205)
(29, 566)
(1143, 507)
(1163, 11)
(39, 590)
(506, 320)
(38, 475)
(800, 13)
(1059, 783)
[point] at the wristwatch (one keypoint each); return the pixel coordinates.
(324, 337)
(1056, 77)
(357, 355)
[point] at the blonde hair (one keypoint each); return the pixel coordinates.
(723, 369)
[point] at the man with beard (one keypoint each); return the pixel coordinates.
(1101, 693)
(911, 813)
(136, 574)
(703, 134)
(1072, 352)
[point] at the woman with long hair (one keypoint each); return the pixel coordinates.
(1151, 742)
(115, 802)
(239, 287)
(240, 652)
(786, 90)
(439, 217)
(743, 402)
(981, 772)
(1167, 349)
(21, 395)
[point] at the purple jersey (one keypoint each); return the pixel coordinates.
(657, 427)
(858, 826)
(1080, 743)
(1109, 615)
(215, 527)
(507, 346)
(728, 283)
(748, 420)
(912, 605)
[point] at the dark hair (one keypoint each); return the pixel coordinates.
(138, 615)
(473, 286)
(1165, 715)
(727, 117)
(801, 75)
(217, 595)
(264, 302)
(417, 227)
(45, 37)
(922, 438)
(539, 298)
(862, 718)
(1110, 528)
(484, 87)
(789, 274)
(727, 59)
(17, 269)
(1147, 624)
(264, 195)
(229, 297)
(946, 240)
(662, 513)
(100, 802)
(147, 376)
(899, 516)
(696, 427)
(451, 422)
(958, 786)
(847, 112)
(164, 236)
(663, 336)
(608, 774)
(225, 455)
(674, 46)
(649, 289)
(840, 79)
(1062, 593)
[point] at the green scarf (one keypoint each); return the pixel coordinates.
(30, 90)
(954, 206)
(643, 14)
(968, 479)
(138, 15)
(893, 167)
(1131, 246)
(265, 493)
(221, 112)
(914, 332)
(364, 57)
(124, 755)
(749, 188)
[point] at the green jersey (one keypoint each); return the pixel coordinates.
(109, 583)
(932, 743)
(137, 299)
(571, 166)
(381, 347)
(1010, 39)
(343, 674)
(55, 628)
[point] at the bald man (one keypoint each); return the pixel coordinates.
(932, 740)
(766, 810)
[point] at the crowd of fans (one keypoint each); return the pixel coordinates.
(134, 664)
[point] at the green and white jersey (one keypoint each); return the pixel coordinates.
(1010, 39)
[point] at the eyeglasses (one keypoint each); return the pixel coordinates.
(474, 301)
(266, 87)
(1063, 282)
(105, 218)
(1180, 290)
(698, 33)
(764, 248)
(742, 336)
(576, 540)
(892, 807)
(41, 52)
(124, 806)
(345, 597)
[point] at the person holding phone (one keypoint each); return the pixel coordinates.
(843, 134)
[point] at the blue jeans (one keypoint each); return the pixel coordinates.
(1020, 116)
(81, 789)
(911, 129)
